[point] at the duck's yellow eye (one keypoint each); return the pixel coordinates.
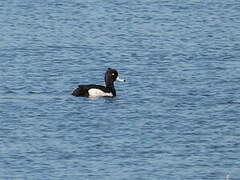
(113, 74)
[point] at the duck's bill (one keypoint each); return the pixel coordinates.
(119, 79)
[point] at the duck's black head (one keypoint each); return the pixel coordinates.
(111, 75)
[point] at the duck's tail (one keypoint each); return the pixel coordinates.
(79, 91)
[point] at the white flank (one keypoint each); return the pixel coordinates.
(97, 93)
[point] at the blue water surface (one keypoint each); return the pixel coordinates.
(176, 117)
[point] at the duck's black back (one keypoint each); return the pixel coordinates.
(82, 90)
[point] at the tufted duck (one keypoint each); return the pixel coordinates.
(92, 90)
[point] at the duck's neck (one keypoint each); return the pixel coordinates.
(111, 87)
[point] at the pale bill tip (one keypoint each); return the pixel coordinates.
(121, 80)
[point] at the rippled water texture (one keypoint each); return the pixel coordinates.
(175, 118)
